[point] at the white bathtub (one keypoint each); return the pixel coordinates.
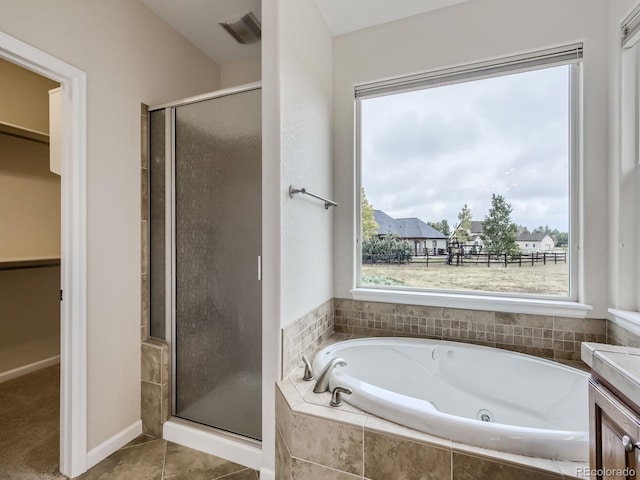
(530, 406)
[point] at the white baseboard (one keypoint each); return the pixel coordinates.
(267, 474)
(30, 368)
(113, 444)
(203, 439)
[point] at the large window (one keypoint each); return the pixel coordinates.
(467, 178)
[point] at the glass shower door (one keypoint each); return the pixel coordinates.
(218, 236)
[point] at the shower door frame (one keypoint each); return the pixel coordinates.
(248, 446)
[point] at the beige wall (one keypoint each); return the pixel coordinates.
(24, 97)
(30, 200)
(484, 29)
(131, 57)
(30, 320)
(240, 72)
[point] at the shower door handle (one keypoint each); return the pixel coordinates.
(259, 268)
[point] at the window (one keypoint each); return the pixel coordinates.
(475, 160)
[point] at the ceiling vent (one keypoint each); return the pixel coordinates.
(245, 30)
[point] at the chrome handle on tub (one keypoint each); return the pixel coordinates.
(628, 444)
(308, 371)
(336, 396)
(322, 384)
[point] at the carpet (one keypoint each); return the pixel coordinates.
(30, 426)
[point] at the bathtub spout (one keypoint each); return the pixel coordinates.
(322, 385)
(308, 371)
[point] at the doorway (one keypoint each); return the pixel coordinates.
(73, 247)
(29, 276)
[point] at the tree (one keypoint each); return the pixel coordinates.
(369, 224)
(522, 229)
(442, 226)
(562, 239)
(463, 230)
(498, 232)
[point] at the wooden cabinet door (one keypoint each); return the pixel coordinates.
(614, 431)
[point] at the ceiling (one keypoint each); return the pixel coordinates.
(343, 16)
(197, 20)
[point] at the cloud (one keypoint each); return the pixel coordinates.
(427, 153)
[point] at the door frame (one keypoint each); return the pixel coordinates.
(73, 265)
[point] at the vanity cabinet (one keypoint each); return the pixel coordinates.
(614, 451)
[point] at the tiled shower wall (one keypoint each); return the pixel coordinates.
(154, 356)
(545, 336)
(155, 387)
(144, 216)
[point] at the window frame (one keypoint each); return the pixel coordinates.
(477, 299)
(625, 302)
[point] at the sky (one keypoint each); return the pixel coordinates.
(426, 153)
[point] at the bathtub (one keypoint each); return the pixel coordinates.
(471, 394)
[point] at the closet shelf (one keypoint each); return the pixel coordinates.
(22, 263)
(22, 132)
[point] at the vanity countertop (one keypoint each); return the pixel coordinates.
(619, 366)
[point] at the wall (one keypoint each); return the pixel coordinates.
(484, 29)
(240, 72)
(24, 97)
(131, 57)
(623, 184)
(30, 199)
(305, 138)
(30, 320)
(271, 232)
(296, 235)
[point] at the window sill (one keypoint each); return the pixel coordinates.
(557, 308)
(627, 319)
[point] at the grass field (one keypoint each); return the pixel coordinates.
(539, 279)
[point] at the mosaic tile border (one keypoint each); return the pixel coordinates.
(544, 336)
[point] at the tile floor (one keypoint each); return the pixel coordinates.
(29, 443)
(147, 458)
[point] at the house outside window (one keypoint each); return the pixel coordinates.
(476, 154)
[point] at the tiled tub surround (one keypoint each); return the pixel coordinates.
(618, 335)
(155, 386)
(546, 336)
(304, 335)
(315, 441)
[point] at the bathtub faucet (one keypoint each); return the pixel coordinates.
(322, 385)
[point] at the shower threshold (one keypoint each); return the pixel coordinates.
(234, 448)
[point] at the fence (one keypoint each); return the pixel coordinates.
(476, 259)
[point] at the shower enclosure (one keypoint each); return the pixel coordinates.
(205, 243)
